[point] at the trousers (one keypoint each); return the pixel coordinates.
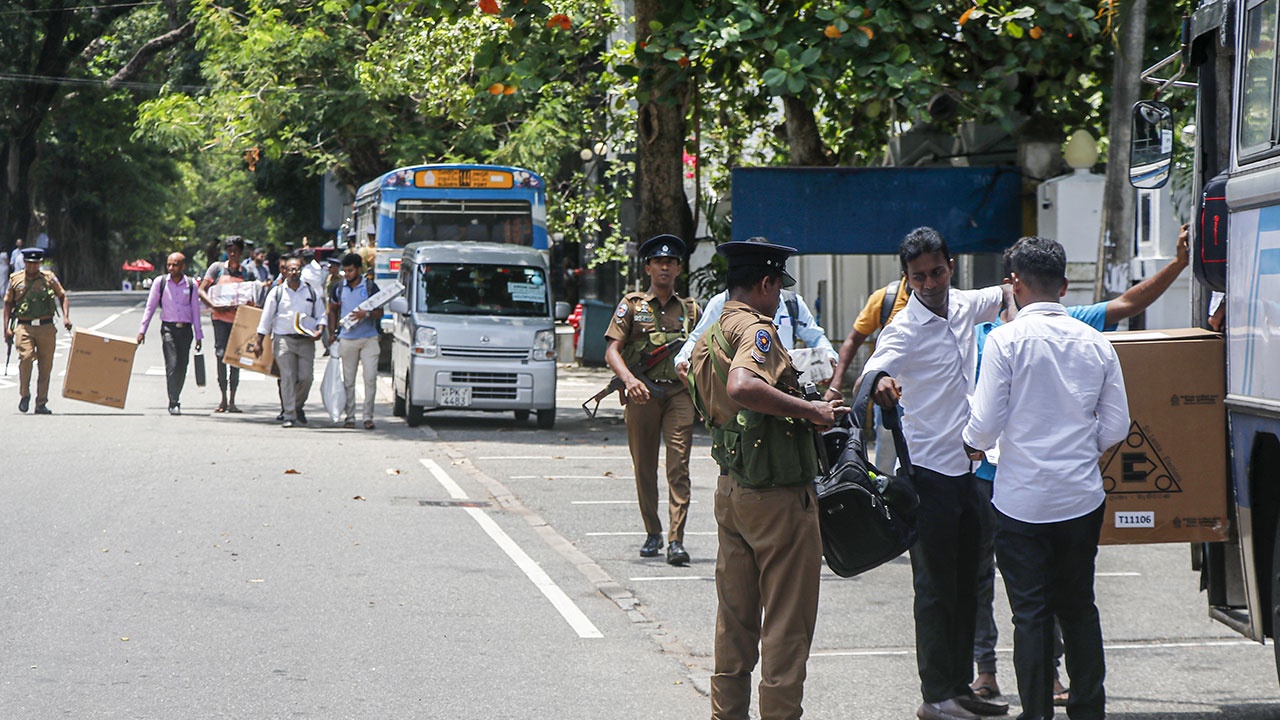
(364, 352)
(769, 563)
(176, 344)
(667, 420)
(36, 345)
(226, 373)
(296, 360)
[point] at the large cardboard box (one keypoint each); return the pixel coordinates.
(1167, 482)
(243, 332)
(98, 369)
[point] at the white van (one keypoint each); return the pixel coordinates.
(473, 331)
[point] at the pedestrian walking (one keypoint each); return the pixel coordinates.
(30, 301)
(1051, 391)
(225, 272)
(178, 299)
(643, 322)
(770, 547)
(358, 344)
(294, 317)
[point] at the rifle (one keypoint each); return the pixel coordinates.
(639, 368)
(8, 353)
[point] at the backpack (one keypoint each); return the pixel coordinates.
(890, 299)
(1210, 263)
(191, 288)
(866, 516)
(370, 290)
(793, 309)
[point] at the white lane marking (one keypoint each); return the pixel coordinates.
(1130, 645)
(641, 534)
(664, 578)
(612, 502)
(112, 318)
(570, 477)
(559, 600)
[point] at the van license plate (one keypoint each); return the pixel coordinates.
(455, 397)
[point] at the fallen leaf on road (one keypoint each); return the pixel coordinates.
(393, 471)
(291, 471)
(358, 497)
(124, 639)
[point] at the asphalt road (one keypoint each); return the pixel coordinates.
(219, 566)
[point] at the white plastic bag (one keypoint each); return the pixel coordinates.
(332, 391)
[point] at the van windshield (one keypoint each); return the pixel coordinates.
(472, 289)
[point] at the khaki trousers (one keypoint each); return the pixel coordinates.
(666, 420)
(769, 562)
(35, 344)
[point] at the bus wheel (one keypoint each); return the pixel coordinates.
(546, 419)
(522, 415)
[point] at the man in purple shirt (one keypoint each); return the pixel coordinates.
(179, 303)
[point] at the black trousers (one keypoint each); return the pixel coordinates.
(221, 335)
(1048, 570)
(176, 343)
(944, 566)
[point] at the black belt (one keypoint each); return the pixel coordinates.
(36, 321)
(175, 324)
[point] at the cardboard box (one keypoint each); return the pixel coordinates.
(98, 368)
(1168, 482)
(243, 332)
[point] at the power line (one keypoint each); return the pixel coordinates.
(35, 11)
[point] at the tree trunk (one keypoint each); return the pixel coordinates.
(1118, 198)
(803, 139)
(663, 125)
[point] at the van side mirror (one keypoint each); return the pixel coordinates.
(398, 305)
(562, 311)
(1150, 145)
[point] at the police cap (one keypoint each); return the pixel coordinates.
(758, 252)
(662, 246)
(32, 255)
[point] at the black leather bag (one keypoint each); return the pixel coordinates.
(198, 361)
(867, 516)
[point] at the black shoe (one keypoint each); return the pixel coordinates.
(280, 416)
(676, 554)
(43, 410)
(24, 404)
(302, 417)
(652, 545)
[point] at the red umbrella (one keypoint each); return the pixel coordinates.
(138, 266)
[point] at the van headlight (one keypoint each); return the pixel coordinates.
(425, 343)
(544, 345)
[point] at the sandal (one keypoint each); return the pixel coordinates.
(233, 409)
(222, 407)
(986, 692)
(350, 425)
(1060, 698)
(368, 425)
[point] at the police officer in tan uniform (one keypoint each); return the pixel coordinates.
(30, 300)
(766, 511)
(643, 322)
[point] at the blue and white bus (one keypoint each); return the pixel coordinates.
(450, 203)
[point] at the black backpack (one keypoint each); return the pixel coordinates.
(867, 516)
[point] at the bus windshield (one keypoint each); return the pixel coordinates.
(473, 289)
(495, 221)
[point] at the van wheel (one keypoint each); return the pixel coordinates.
(397, 405)
(522, 415)
(414, 414)
(546, 419)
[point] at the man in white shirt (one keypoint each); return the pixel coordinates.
(16, 263)
(294, 316)
(313, 273)
(926, 361)
(1052, 393)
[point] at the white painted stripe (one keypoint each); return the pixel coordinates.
(640, 534)
(570, 477)
(664, 578)
(1132, 645)
(613, 502)
(112, 318)
(559, 600)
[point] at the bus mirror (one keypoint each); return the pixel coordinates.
(398, 305)
(1150, 145)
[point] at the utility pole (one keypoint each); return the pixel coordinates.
(1118, 198)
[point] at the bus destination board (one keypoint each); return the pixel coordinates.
(462, 178)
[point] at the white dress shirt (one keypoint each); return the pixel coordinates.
(313, 274)
(806, 327)
(935, 360)
(283, 303)
(1052, 392)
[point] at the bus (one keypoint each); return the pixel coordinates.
(450, 203)
(1229, 56)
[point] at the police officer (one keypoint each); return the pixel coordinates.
(645, 321)
(30, 301)
(766, 511)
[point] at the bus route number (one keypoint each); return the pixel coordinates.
(459, 178)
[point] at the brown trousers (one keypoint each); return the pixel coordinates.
(662, 420)
(35, 345)
(769, 562)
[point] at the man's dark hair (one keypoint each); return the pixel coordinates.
(921, 241)
(233, 241)
(352, 259)
(746, 276)
(1039, 262)
(307, 254)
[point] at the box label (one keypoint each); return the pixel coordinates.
(1138, 519)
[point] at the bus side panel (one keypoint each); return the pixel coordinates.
(1253, 322)
(1255, 466)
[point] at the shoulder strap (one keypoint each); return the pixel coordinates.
(793, 309)
(160, 298)
(890, 299)
(717, 336)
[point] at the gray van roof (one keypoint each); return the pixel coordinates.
(473, 252)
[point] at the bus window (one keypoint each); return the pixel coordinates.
(497, 221)
(1258, 85)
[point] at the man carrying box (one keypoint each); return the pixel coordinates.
(359, 342)
(294, 317)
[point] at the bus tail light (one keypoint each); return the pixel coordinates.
(394, 264)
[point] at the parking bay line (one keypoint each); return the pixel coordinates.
(559, 600)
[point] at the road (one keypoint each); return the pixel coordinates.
(220, 566)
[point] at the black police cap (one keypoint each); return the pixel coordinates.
(32, 254)
(758, 252)
(662, 246)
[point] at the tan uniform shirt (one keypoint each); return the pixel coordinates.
(754, 340)
(639, 314)
(37, 302)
